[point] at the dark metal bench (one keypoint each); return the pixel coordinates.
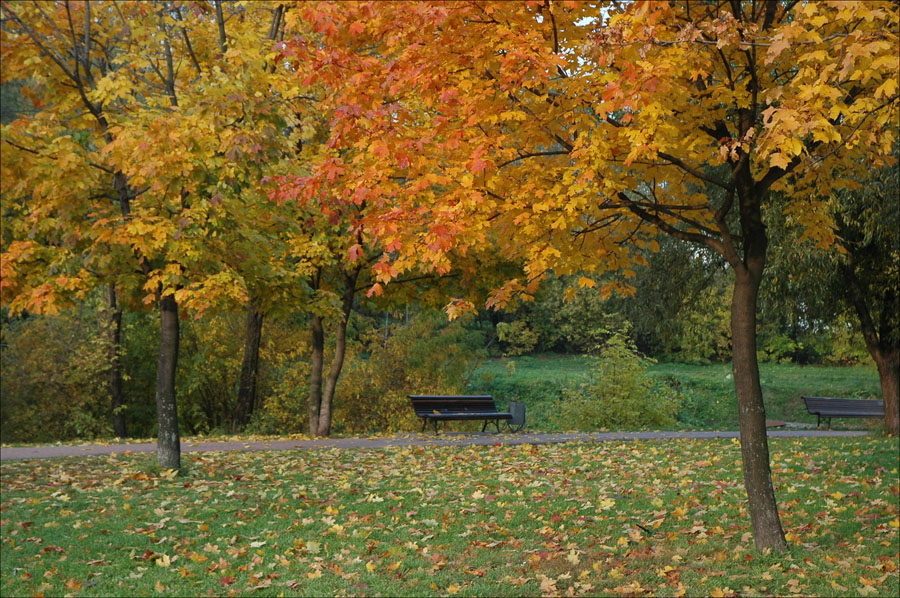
(826, 408)
(436, 408)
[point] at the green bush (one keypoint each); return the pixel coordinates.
(429, 355)
(517, 337)
(54, 377)
(568, 318)
(620, 394)
(209, 369)
(283, 384)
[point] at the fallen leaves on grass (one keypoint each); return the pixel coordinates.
(662, 518)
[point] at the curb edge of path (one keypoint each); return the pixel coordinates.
(48, 452)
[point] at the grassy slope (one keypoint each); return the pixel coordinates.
(708, 390)
(664, 518)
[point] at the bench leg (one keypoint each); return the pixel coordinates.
(518, 428)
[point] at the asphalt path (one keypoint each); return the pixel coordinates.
(452, 439)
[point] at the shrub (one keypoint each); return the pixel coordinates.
(570, 319)
(54, 377)
(517, 337)
(283, 385)
(429, 355)
(620, 394)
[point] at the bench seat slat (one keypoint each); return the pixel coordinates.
(827, 407)
(436, 408)
(495, 415)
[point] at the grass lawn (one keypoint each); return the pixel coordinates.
(708, 400)
(659, 517)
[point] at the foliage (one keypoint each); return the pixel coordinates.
(706, 391)
(650, 517)
(164, 217)
(210, 367)
(53, 371)
(620, 394)
(284, 378)
(517, 338)
(843, 344)
(572, 318)
(592, 122)
(426, 356)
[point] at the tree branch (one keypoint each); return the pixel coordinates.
(220, 20)
(534, 155)
(696, 173)
(38, 153)
(667, 228)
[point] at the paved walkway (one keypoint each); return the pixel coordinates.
(482, 439)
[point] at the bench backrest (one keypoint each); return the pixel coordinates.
(428, 404)
(829, 406)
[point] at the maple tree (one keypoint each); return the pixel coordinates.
(162, 121)
(567, 134)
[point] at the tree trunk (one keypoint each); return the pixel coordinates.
(889, 374)
(767, 530)
(320, 400)
(168, 441)
(315, 377)
(883, 348)
(249, 368)
(116, 395)
(340, 350)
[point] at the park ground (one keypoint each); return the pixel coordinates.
(658, 517)
(662, 517)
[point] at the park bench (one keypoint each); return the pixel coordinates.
(826, 408)
(437, 408)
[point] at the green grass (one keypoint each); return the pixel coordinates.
(708, 400)
(660, 517)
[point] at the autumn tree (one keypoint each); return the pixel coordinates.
(568, 134)
(161, 119)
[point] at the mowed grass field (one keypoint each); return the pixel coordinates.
(662, 518)
(707, 391)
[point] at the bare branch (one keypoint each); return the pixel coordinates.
(667, 228)
(696, 173)
(221, 22)
(38, 153)
(187, 41)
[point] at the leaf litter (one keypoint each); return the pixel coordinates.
(665, 518)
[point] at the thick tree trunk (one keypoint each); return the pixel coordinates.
(249, 368)
(315, 377)
(116, 394)
(767, 530)
(168, 443)
(889, 373)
